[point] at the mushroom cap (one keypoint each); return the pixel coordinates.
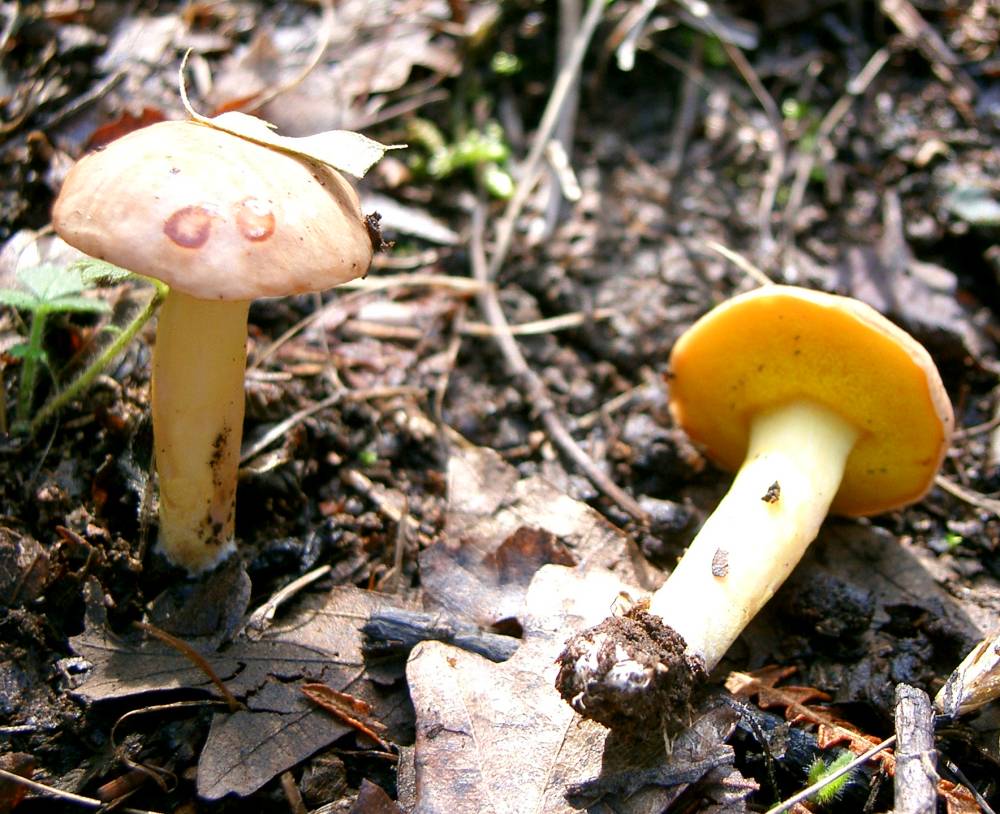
(776, 344)
(214, 215)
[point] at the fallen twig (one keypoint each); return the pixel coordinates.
(280, 430)
(970, 496)
(262, 616)
(809, 791)
(78, 799)
(534, 388)
(484, 271)
(740, 262)
(806, 159)
(550, 118)
(935, 50)
(562, 322)
(776, 167)
(915, 781)
(684, 120)
(361, 287)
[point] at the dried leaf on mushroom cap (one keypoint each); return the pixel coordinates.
(343, 150)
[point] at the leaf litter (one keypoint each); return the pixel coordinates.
(497, 737)
(279, 727)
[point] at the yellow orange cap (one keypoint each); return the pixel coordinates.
(780, 343)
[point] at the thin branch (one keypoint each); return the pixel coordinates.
(562, 322)
(281, 429)
(685, 117)
(970, 496)
(78, 799)
(534, 388)
(776, 168)
(806, 159)
(562, 136)
(462, 285)
(740, 262)
(262, 616)
(550, 118)
(850, 767)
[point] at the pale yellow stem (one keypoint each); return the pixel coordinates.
(198, 368)
(749, 545)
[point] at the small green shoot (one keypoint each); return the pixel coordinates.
(368, 457)
(820, 769)
(484, 152)
(50, 290)
(793, 109)
(953, 540)
(47, 290)
(504, 63)
(715, 53)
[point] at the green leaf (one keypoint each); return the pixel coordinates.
(100, 273)
(74, 304)
(21, 300)
(24, 351)
(50, 289)
(498, 181)
(49, 282)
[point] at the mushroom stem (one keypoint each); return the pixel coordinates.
(761, 528)
(198, 367)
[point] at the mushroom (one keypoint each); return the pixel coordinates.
(222, 221)
(821, 404)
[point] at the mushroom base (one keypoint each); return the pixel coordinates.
(631, 671)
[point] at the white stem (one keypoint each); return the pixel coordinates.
(749, 545)
(198, 368)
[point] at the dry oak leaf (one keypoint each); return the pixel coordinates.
(320, 642)
(497, 738)
(830, 729)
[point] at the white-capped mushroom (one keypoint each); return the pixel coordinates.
(222, 221)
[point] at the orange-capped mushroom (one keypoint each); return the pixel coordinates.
(821, 404)
(222, 221)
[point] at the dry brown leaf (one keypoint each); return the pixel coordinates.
(321, 643)
(975, 682)
(501, 529)
(345, 707)
(831, 729)
(497, 738)
(342, 150)
(372, 799)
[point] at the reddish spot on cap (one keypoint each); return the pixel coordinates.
(255, 219)
(189, 227)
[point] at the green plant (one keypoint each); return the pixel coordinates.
(47, 290)
(484, 152)
(504, 63)
(953, 540)
(821, 769)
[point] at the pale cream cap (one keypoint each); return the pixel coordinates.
(214, 215)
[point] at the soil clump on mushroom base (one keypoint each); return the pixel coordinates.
(653, 682)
